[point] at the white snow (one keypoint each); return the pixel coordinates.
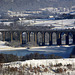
(67, 23)
(47, 64)
(62, 50)
(58, 24)
(3, 47)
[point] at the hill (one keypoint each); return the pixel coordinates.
(21, 5)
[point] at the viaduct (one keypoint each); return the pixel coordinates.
(42, 30)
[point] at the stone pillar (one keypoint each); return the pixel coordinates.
(3, 36)
(35, 37)
(28, 36)
(67, 39)
(43, 38)
(20, 37)
(58, 38)
(74, 38)
(50, 38)
(11, 36)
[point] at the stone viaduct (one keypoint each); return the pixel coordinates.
(42, 30)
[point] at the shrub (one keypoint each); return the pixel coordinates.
(69, 66)
(26, 64)
(59, 70)
(35, 71)
(45, 70)
(58, 65)
(42, 66)
(4, 58)
(13, 44)
(31, 68)
(65, 70)
(39, 56)
(52, 56)
(1, 65)
(12, 69)
(38, 69)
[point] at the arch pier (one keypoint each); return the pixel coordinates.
(43, 34)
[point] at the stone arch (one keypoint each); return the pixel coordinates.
(32, 37)
(46, 38)
(7, 36)
(63, 38)
(1, 36)
(24, 37)
(39, 38)
(16, 36)
(70, 38)
(54, 38)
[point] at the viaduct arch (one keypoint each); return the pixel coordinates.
(53, 35)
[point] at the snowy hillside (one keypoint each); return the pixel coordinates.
(20, 5)
(65, 23)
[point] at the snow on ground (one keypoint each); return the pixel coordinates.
(47, 62)
(3, 47)
(6, 23)
(59, 24)
(46, 66)
(63, 50)
(2, 44)
(65, 23)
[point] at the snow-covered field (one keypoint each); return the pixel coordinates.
(42, 67)
(59, 24)
(65, 23)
